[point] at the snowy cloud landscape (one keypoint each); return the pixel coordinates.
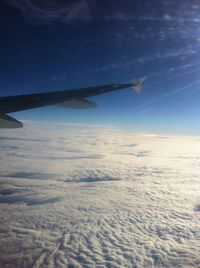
(80, 196)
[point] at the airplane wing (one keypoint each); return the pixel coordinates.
(75, 98)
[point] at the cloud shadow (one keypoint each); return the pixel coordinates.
(29, 201)
(28, 175)
(92, 180)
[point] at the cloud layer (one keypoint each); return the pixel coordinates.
(75, 196)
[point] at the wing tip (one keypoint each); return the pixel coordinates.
(137, 86)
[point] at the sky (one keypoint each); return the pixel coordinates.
(54, 45)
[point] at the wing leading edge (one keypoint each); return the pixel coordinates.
(74, 98)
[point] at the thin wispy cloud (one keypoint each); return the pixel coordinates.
(48, 11)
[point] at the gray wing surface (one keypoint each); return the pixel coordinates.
(74, 98)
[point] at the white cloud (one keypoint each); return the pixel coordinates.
(97, 197)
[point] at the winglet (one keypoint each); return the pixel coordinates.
(137, 86)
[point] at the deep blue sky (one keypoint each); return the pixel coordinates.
(49, 45)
